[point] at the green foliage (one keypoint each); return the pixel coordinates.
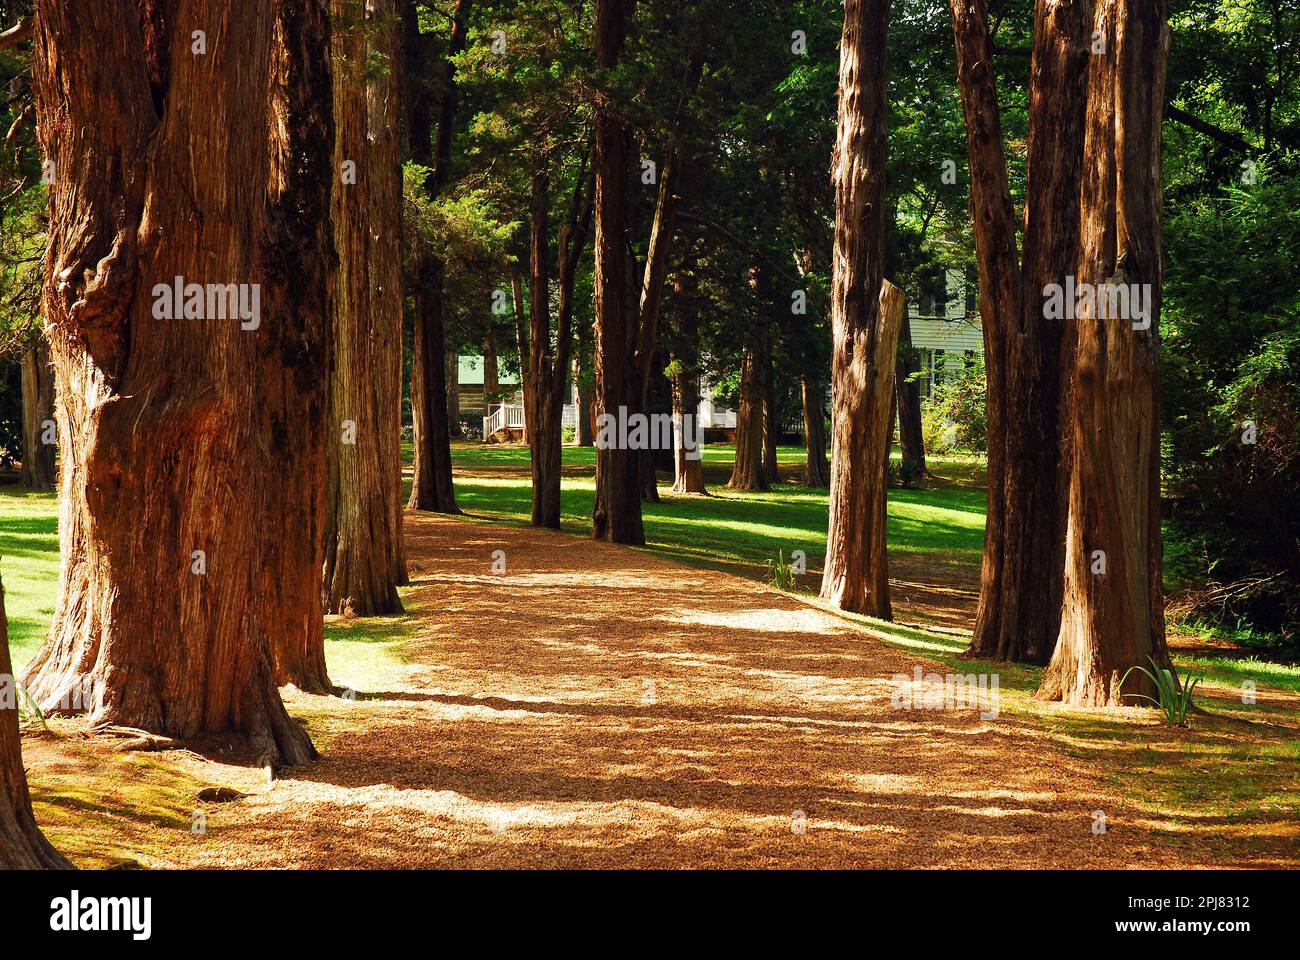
(781, 574)
(954, 417)
(1175, 696)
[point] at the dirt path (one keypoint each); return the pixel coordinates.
(599, 707)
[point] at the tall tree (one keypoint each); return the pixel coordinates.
(866, 311)
(907, 389)
(1020, 583)
(158, 410)
(300, 345)
(546, 378)
(22, 845)
(684, 373)
(364, 559)
(1113, 614)
(817, 469)
(38, 415)
(617, 515)
(432, 487)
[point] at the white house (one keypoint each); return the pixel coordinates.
(943, 330)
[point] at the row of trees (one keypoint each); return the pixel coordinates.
(653, 191)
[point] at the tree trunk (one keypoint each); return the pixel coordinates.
(38, 414)
(747, 472)
(817, 472)
(163, 621)
(907, 390)
(303, 261)
(617, 514)
(364, 561)
(435, 394)
(866, 312)
(1113, 613)
(688, 472)
(1020, 585)
(451, 357)
(771, 419)
(491, 374)
(585, 434)
(22, 845)
(541, 411)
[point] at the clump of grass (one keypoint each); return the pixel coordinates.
(781, 574)
(1175, 697)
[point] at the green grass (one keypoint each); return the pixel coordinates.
(729, 530)
(29, 565)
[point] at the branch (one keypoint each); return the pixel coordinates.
(16, 35)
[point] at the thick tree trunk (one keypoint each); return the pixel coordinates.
(302, 261)
(1113, 613)
(908, 401)
(435, 394)
(747, 472)
(541, 410)
(38, 414)
(22, 845)
(817, 470)
(866, 312)
(364, 560)
(617, 514)
(1020, 590)
(163, 621)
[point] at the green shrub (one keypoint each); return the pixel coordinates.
(953, 417)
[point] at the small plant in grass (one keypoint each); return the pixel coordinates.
(1175, 696)
(781, 573)
(31, 713)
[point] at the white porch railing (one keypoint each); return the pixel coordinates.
(510, 416)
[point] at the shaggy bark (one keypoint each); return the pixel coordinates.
(1020, 582)
(38, 471)
(157, 417)
(22, 845)
(1113, 615)
(364, 560)
(435, 397)
(817, 470)
(299, 339)
(747, 471)
(866, 312)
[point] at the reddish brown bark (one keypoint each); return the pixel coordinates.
(300, 263)
(771, 419)
(747, 471)
(865, 315)
(1020, 589)
(22, 845)
(157, 416)
(38, 414)
(1113, 615)
(364, 559)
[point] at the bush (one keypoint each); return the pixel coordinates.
(471, 429)
(953, 417)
